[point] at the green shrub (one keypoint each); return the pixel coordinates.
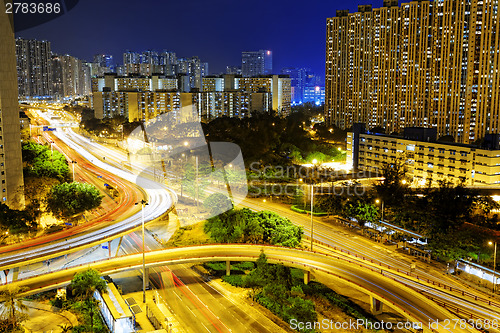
(234, 280)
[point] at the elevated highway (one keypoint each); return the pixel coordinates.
(409, 303)
(160, 201)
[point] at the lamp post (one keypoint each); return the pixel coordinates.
(51, 152)
(314, 162)
(143, 203)
(382, 207)
(494, 264)
(73, 164)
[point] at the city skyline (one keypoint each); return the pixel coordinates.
(154, 197)
(295, 31)
(426, 64)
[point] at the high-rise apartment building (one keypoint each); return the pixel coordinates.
(194, 69)
(70, 77)
(431, 64)
(233, 70)
(130, 57)
(11, 165)
(236, 96)
(168, 61)
(315, 95)
(299, 80)
(105, 61)
(34, 70)
(254, 63)
(113, 82)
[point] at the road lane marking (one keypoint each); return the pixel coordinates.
(193, 313)
(205, 327)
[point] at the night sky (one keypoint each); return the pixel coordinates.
(215, 30)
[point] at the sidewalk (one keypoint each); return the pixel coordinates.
(46, 318)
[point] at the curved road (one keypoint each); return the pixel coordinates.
(404, 300)
(157, 195)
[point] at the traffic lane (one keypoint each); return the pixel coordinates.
(189, 308)
(159, 201)
(327, 234)
(408, 302)
(235, 316)
(130, 194)
(336, 236)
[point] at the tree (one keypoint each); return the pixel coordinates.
(245, 226)
(363, 212)
(19, 220)
(41, 161)
(301, 309)
(217, 203)
(278, 230)
(332, 204)
(395, 184)
(68, 199)
(84, 284)
(447, 207)
(14, 306)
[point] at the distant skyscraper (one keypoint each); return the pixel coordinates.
(130, 57)
(426, 63)
(268, 62)
(34, 70)
(233, 70)
(11, 164)
(314, 95)
(194, 69)
(150, 57)
(105, 61)
(70, 78)
(57, 77)
(168, 61)
(299, 80)
(255, 63)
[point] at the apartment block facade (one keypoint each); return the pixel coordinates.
(143, 97)
(426, 160)
(254, 63)
(34, 70)
(11, 164)
(423, 63)
(233, 95)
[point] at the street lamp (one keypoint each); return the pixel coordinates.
(51, 152)
(314, 162)
(494, 264)
(143, 203)
(73, 164)
(382, 207)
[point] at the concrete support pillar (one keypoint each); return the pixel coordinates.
(15, 274)
(6, 273)
(228, 267)
(147, 277)
(307, 277)
(375, 306)
(109, 249)
(118, 247)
